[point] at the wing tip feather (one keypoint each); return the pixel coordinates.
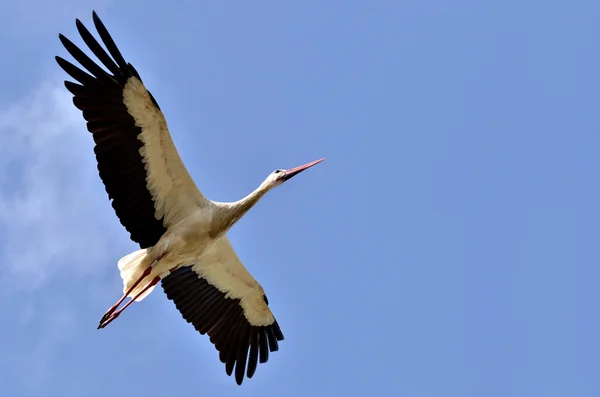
(241, 345)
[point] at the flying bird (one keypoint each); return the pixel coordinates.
(181, 234)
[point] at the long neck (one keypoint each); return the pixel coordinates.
(229, 213)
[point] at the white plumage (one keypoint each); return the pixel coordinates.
(182, 234)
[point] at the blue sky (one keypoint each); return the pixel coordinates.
(447, 246)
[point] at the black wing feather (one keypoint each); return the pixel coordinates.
(98, 51)
(222, 318)
(109, 42)
(99, 95)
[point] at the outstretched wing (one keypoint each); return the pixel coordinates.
(138, 163)
(219, 297)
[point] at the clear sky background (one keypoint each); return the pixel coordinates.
(448, 245)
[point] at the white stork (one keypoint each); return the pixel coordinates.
(181, 234)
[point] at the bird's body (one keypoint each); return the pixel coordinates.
(181, 233)
(194, 241)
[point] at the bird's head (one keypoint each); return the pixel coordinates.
(279, 176)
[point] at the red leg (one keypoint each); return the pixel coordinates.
(116, 314)
(116, 305)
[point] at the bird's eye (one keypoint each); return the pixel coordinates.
(277, 171)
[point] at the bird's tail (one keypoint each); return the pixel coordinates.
(132, 267)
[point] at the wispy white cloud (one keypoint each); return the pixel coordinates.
(58, 234)
(50, 194)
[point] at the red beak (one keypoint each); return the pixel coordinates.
(289, 174)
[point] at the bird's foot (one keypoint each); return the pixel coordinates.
(109, 317)
(105, 321)
(108, 313)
